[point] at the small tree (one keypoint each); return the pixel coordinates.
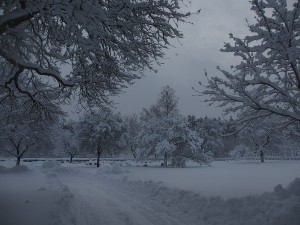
(100, 132)
(129, 136)
(20, 132)
(167, 103)
(68, 138)
(261, 136)
(18, 143)
(19, 138)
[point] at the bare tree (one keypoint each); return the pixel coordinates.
(20, 133)
(167, 104)
(267, 80)
(67, 138)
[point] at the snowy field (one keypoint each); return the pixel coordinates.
(129, 193)
(225, 179)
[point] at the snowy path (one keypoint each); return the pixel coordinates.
(102, 204)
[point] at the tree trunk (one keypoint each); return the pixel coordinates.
(262, 156)
(134, 155)
(98, 159)
(71, 158)
(18, 153)
(165, 160)
(18, 160)
(133, 152)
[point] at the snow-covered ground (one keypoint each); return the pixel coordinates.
(225, 179)
(51, 193)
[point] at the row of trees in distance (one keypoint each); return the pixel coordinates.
(159, 132)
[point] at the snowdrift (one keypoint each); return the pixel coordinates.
(281, 207)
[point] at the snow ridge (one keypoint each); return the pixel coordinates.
(280, 207)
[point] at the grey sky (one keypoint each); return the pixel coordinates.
(185, 64)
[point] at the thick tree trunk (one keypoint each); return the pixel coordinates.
(98, 159)
(165, 160)
(18, 161)
(71, 158)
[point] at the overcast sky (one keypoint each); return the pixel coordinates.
(184, 65)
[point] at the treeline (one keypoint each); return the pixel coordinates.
(158, 132)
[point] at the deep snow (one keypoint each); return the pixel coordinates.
(51, 193)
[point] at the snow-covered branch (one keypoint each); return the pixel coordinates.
(267, 79)
(105, 45)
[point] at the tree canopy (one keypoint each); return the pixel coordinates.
(51, 49)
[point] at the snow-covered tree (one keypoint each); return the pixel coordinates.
(101, 132)
(165, 133)
(261, 136)
(172, 138)
(167, 103)
(241, 151)
(66, 138)
(51, 49)
(210, 130)
(18, 139)
(166, 107)
(129, 138)
(21, 133)
(229, 136)
(267, 79)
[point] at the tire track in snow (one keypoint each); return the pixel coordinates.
(102, 204)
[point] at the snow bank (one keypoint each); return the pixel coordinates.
(15, 169)
(292, 189)
(64, 209)
(280, 207)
